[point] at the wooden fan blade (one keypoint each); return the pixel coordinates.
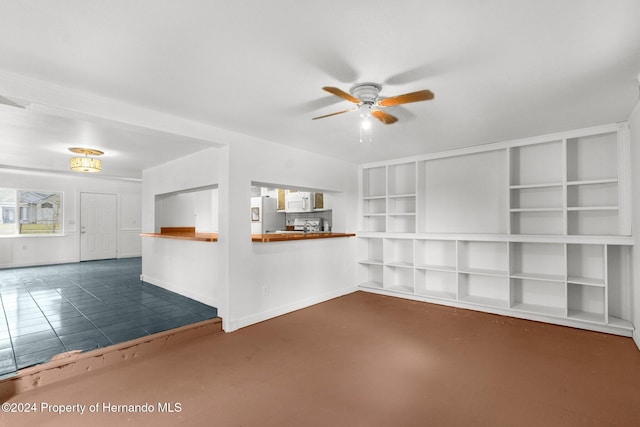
(385, 118)
(333, 114)
(342, 94)
(421, 95)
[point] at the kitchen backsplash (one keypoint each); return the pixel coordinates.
(324, 215)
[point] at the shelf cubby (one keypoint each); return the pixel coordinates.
(398, 278)
(437, 255)
(537, 197)
(593, 222)
(402, 179)
(370, 250)
(437, 284)
(586, 264)
(546, 221)
(398, 252)
(541, 297)
(374, 205)
(405, 204)
(588, 194)
(374, 222)
(483, 258)
(537, 164)
(370, 275)
(402, 223)
(374, 181)
(483, 290)
(537, 261)
(586, 303)
(592, 157)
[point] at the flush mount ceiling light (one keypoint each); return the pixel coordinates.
(86, 163)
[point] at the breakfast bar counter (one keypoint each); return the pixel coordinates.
(286, 237)
(183, 233)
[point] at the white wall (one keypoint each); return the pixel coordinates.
(269, 279)
(250, 282)
(191, 268)
(634, 124)
(39, 250)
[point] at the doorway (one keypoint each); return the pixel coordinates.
(98, 226)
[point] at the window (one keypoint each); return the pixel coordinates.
(30, 212)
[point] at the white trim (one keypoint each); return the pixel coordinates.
(235, 324)
(509, 312)
(636, 338)
(532, 238)
(493, 146)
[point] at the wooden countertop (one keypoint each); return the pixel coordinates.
(285, 237)
(183, 233)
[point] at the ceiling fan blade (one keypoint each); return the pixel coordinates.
(421, 95)
(342, 94)
(385, 118)
(333, 114)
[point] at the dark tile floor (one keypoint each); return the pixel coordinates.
(82, 306)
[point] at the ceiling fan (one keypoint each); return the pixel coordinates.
(369, 103)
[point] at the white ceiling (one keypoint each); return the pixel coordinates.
(500, 70)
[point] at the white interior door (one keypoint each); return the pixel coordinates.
(98, 229)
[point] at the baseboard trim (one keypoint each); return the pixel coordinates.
(235, 324)
(636, 338)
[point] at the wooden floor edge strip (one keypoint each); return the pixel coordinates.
(72, 363)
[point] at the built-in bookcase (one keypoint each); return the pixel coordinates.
(560, 254)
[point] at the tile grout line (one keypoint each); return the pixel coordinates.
(6, 321)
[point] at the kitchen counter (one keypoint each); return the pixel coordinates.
(183, 233)
(285, 237)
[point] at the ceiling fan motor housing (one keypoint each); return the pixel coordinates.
(366, 92)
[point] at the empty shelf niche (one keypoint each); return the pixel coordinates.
(437, 255)
(402, 179)
(374, 181)
(586, 282)
(437, 284)
(536, 164)
(483, 258)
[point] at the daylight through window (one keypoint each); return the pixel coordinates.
(30, 212)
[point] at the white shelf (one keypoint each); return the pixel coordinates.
(536, 210)
(539, 309)
(374, 214)
(539, 276)
(400, 196)
(446, 268)
(593, 181)
(399, 264)
(534, 186)
(483, 272)
(374, 197)
(437, 294)
(374, 285)
(491, 302)
(400, 288)
(593, 208)
(586, 316)
(370, 262)
(586, 281)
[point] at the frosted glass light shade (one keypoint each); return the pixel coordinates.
(86, 164)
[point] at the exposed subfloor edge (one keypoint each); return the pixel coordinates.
(73, 363)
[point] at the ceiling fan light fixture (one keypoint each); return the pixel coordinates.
(86, 163)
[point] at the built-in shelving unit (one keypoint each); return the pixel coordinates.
(553, 215)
